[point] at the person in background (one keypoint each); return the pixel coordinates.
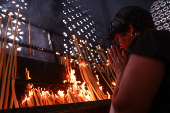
(141, 61)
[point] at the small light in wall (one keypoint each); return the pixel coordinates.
(21, 32)
(73, 26)
(19, 49)
(87, 18)
(64, 12)
(81, 22)
(73, 17)
(4, 10)
(84, 20)
(64, 21)
(65, 34)
(69, 10)
(69, 19)
(3, 15)
(17, 5)
(77, 15)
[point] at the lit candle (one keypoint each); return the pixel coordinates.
(52, 96)
(1, 34)
(3, 57)
(0, 24)
(29, 28)
(28, 102)
(39, 96)
(36, 98)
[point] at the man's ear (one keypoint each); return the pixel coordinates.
(131, 28)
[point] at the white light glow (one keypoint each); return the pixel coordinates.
(78, 24)
(65, 34)
(78, 32)
(73, 26)
(70, 29)
(19, 49)
(64, 22)
(4, 10)
(8, 33)
(3, 15)
(77, 15)
(17, 5)
(81, 22)
(9, 44)
(69, 19)
(73, 17)
(19, 23)
(64, 12)
(21, 37)
(21, 33)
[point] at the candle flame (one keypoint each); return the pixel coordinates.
(100, 87)
(27, 73)
(57, 53)
(108, 95)
(64, 81)
(61, 93)
(113, 83)
(73, 36)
